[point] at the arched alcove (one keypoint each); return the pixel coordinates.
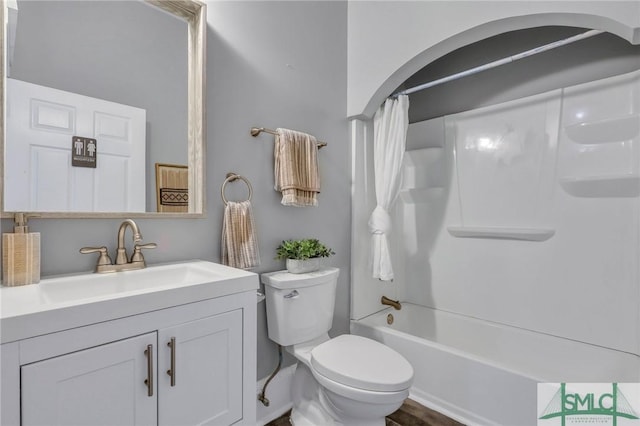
(436, 44)
(408, 57)
(516, 210)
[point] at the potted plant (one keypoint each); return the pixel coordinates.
(303, 255)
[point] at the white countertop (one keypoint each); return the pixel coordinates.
(64, 302)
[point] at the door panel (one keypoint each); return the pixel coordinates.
(208, 372)
(104, 385)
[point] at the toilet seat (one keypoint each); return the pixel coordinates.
(361, 395)
(361, 363)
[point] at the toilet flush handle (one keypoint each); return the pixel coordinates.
(293, 295)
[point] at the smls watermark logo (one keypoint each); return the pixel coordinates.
(562, 404)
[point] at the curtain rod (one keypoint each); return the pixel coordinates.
(499, 62)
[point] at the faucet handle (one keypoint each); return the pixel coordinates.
(137, 251)
(104, 258)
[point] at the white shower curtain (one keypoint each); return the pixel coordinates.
(389, 141)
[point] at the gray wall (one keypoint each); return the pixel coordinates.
(271, 64)
(591, 59)
(121, 51)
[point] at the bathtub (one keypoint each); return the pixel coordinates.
(484, 373)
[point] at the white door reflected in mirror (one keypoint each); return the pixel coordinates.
(146, 54)
(41, 126)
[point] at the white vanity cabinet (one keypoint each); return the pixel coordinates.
(129, 382)
(193, 363)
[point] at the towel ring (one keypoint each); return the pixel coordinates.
(230, 178)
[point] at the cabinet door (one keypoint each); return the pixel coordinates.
(104, 385)
(207, 357)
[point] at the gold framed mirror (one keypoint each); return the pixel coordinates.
(189, 18)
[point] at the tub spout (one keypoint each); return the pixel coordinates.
(395, 303)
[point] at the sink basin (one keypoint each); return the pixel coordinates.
(87, 286)
(70, 301)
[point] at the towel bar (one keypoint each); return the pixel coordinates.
(233, 177)
(255, 131)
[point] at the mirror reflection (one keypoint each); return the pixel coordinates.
(96, 98)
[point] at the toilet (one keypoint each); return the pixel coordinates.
(348, 380)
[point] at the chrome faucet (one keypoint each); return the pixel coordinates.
(122, 261)
(395, 303)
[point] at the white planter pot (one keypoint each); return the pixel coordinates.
(296, 266)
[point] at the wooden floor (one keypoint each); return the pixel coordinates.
(410, 414)
(413, 414)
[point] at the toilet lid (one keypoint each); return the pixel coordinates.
(362, 363)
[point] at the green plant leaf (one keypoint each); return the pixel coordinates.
(306, 248)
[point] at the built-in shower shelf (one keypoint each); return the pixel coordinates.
(626, 185)
(605, 131)
(525, 234)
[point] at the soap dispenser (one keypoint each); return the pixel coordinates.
(20, 254)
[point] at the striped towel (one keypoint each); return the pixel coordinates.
(296, 168)
(239, 237)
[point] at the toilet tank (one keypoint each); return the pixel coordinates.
(299, 306)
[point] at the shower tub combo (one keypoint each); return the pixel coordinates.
(484, 373)
(539, 196)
